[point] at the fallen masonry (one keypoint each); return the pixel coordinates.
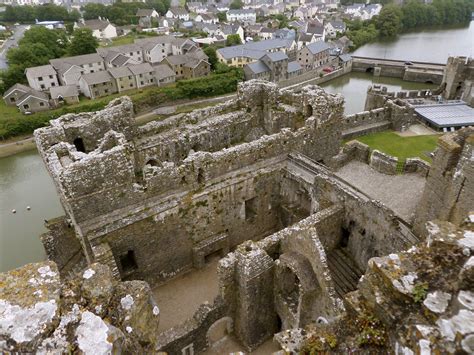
(309, 255)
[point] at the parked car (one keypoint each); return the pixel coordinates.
(408, 63)
(327, 70)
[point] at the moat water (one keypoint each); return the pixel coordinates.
(25, 182)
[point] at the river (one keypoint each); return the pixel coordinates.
(432, 45)
(25, 182)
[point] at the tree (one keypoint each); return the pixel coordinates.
(233, 40)
(222, 16)
(55, 40)
(389, 21)
(210, 51)
(83, 42)
(236, 4)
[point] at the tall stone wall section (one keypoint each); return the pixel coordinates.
(449, 189)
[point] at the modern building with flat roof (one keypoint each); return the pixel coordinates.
(446, 116)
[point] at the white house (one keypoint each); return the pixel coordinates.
(207, 18)
(248, 16)
(101, 29)
(42, 78)
(177, 13)
(334, 27)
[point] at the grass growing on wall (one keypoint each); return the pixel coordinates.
(401, 147)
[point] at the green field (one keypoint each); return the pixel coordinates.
(401, 147)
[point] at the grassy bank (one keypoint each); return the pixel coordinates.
(401, 147)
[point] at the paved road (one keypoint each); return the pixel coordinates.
(18, 33)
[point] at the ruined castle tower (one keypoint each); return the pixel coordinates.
(458, 79)
(449, 189)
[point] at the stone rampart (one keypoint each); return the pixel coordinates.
(383, 163)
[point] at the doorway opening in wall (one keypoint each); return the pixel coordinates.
(251, 208)
(429, 82)
(309, 110)
(344, 242)
(279, 324)
(128, 262)
(369, 70)
(79, 144)
(200, 177)
(215, 255)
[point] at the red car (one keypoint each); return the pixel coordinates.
(327, 70)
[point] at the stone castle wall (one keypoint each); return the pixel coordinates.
(130, 190)
(449, 189)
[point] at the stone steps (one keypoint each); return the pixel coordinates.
(344, 272)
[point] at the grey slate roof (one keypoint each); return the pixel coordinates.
(293, 66)
(97, 77)
(317, 47)
(94, 24)
(258, 67)
(120, 60)
(20, 87)
(241, 11)
(163, 71)
(120, 72)
(144, 12)
(63, 91)
(448, 114)
(276, 56)
(43, 70)
(345, 57)
(254, 50)
(62, 64)
(142, 68)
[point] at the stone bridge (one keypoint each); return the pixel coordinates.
(417, 71)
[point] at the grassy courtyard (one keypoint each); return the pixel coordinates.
(401, 147)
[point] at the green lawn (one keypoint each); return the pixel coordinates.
(401, 147)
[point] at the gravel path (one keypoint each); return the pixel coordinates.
(401, 193)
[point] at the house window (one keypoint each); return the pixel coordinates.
(50, 76)
(40, 78)
(141, 75)
(141, 82)
(42, 86)
(41, 104)
(53, 84)
(106, 91)
(12, 99)
(26, 106)
(92, 71)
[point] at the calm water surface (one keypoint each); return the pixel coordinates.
(25, 182)
(353, 87)
(433, 46)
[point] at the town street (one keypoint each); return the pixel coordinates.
(18, 33)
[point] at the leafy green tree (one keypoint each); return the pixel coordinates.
(83, 42)
(222, 16)
(389, 21)
(236, 4)
(93, 11)
(233, 40)
(210, 51)
(55, 40)
(51, 12)
(14, 74)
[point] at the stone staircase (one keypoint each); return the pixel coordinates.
(344, 272)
